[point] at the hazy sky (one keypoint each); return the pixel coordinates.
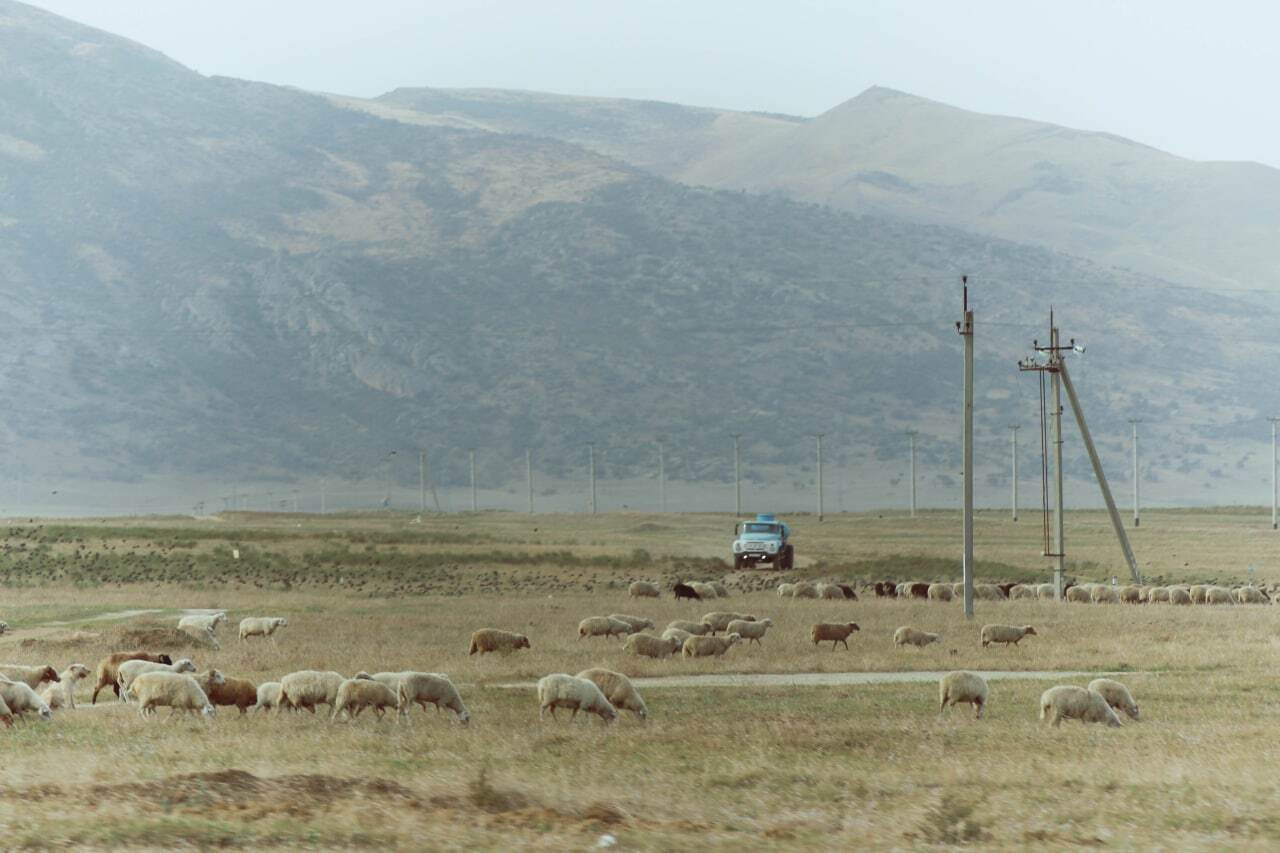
(1194, 78)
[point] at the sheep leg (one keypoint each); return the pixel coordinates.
(844, 642)
(979, 704)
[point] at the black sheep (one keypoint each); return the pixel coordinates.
(683, 590)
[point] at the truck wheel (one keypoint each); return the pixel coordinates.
(788, 558)
(737, 562)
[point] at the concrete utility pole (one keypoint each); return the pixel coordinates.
(662, 477)
(422, 482)
(475, 504)
(1013, 477)
(737, 475)
(965, 328)
(1275, 487)
(1133, 422)
(818, 438)
(911, 436)
(1059, 556)
(591, 466)
(528, 473)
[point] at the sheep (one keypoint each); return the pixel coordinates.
(19, 698)
(268, 695)
(63, 694)
(907, 635)
(705, 590)
(6, 715)
(202, 621)
(1218, 595)
(1199, 593)
(618, 689)
(4, 626)
(1079, 594)
(108, 669)
(750, 630)
(961, 686)
(834, 632)
(918, 589)
(1250, 595)
(696, 628)
(830, 591)
(720, 588)
(131, 669)
(261, 626)
(1066, 702)
(1157, 594)
(32, 676)
(988, 592)
(356, 694)
(701, 647)
(1179, 595)
(720, 619)
(424, 688)
(494, 640)
(1131, 594)
(902, 590)
(240, 692)
(1116, 695)
(637, 623)
(602, 626)
(678, 635)
(1005, 634)
(647, 645)
(886, 589)
(940, 592)
(1023, 591)
(804, 589)
(683, 590)
(957, 589)
(564, 691)
(786, 590)
(643, 589)
(1045, 591)
(204, 635)
(1104, 595)
(179, 692)
(308, 688)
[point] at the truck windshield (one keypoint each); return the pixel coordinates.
(755, 527)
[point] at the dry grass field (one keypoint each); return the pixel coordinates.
(720, 768)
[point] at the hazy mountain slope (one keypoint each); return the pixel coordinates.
(233, 279)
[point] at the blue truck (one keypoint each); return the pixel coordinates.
(763, 540)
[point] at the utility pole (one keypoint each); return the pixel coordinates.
(475, 505)
(1059, 556)
(911, 436)
(818, 438)
(591, 472)
(422, 482)
(323, 508)
(1013, 440)
(1133, 422)
(662, 477)
(737, 476)
(965, 328)
(528, 473)
(1275, 487)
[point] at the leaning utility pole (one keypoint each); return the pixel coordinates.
(591, 466)
(475, 506)
(965, 328)
(1013, 477)
(1133, 422)
(528, 473)
(911, 436)
(737, 476)
(818, 438)
(1275, 487)
(662, 477)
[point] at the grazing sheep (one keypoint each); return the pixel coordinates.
(786, 590)
(834, 632)
(1157, 594)
(131, 669)
(1079, 594)
(696, 628)
(261, 626)
(63, 694)
(886, 589)
(988, 592)
(705, 590)
(20, 699)
(830, 591)
(903, 590)
(602, 626)
(1199, 594)
(1178, 595)
(6, 716)
(940, 592)
(1022, 591)
(179, 692)
(678, 636)
(720, 619)
(701, 647)
(564, 691)
(1005, 634)
(804, 589)
(356, 694)
(957, 589)
(32, 676)
(424, 688)
(1250, 595)
(202, 621)
(240, 692)
(1104, 595)
(643, 589)
(637, 623)
(109, 669)
(750, 630)
(1131, 595)
(908, 636)
(618, 689)
(683, 590)
(494, 640)
(647, 645)
(1066, 702)
(918, 590)
(720, 588)
(1218, 595)
(1044, 591)
(268, 695)
(308, 688)
(961, 686)
(1116, 695)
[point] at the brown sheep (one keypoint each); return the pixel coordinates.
(240, 692)
(835, 632)
(108, 669)
(32, 676)
(918, 590)
(494, 640)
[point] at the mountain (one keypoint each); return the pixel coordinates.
(1094, 195)
(230, 280)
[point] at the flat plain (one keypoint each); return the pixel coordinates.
(741, 767)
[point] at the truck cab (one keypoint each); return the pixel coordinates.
(762, 540)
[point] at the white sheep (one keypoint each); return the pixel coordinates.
(268, 695)
(804, 589)
(1067, 702)
(908, 636)
(1102, 594)
(701, 647)
(830, 591)
(1250, 595)
(602, 626)
(21, 699)
(356, 694)
(1218, 595)
(32, 676)
(961, 686)
(720, 619)
(131, 669)
(63, 693)
(1045, 591)
(705, 591)
(750, 630)
(308, 688)
(1116, 695)
(6, 715)
(786, 590)
(1199, 593)
(647, 645)
(425, 688)
(678, 636)
(988, 592)
(261, 626)
(203, 621)
(618, 689)
(1022, 591)
(562, 690)
(1005, 634)
(698, 629)
(170, 689)
(1179, 595)
(487, 640)
(1080, 594)
(643, 589)
(1132, 594)
(1157, 594)
(637, 623)
(940, 592)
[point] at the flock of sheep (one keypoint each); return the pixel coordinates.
(1085, 593)
(1096, 703)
